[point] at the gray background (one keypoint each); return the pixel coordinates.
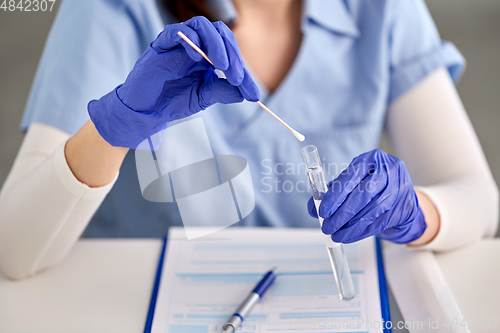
(473, 25)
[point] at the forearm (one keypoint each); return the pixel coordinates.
(43, 207)
(92, 160)
(431, 133)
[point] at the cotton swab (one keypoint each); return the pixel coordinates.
(298, 135)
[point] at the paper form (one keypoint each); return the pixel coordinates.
(205, 280)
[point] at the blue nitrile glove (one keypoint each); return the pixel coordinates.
(373, 196)
(172, 81)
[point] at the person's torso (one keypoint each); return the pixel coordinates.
(335, 94)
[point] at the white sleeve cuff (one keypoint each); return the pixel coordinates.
(464, 210)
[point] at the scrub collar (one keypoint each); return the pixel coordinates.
(332, 15)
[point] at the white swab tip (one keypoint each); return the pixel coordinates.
(299, 136)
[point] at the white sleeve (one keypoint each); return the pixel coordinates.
(430, 131)
(43, 207)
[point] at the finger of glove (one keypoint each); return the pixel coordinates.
(214, 90)
(406, 233)
(248, 88)
(237, 74)
(372, 186)
(395, 234)
(311, 208)
(355, 232)
(365, 224)
(235, 71)
(168, 39)
(211, 41)
(340, 189)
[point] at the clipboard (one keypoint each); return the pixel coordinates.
(384, 298)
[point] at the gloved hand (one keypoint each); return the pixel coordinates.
(373, 196)
(172, 81)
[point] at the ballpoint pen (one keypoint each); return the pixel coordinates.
(244, 309)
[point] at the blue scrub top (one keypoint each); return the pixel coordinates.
(356, 57)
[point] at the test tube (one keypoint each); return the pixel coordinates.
(336, 253)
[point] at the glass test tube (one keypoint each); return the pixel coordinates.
(335, 251)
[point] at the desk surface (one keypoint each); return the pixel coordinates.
(473, 275)
(105, 286)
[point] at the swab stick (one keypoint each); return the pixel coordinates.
(298, 135)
